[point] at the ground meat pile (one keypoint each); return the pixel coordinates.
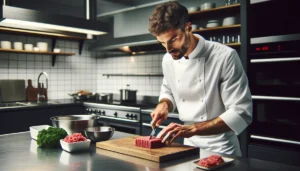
(76, 137)
(211, 161)
(146, 143)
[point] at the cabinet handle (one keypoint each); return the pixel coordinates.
(274, 60)
(275, 139)
(275, 98)
(149, 125)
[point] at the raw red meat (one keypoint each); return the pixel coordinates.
(211, 161)
(146, 143)
(76, 137)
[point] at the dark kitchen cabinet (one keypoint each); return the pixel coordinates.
(21, 119)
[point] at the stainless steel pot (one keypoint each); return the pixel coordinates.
(75, 123)
(128, 95)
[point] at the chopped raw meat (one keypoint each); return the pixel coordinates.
(76, 137)
(211, 161)
(146, 143)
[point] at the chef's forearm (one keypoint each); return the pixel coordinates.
(168, 102)
(211, 127)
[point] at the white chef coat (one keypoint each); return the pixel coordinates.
(210, 84)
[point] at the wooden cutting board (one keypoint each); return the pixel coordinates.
(126, 146)
(31, 92)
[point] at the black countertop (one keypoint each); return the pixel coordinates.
(20, 152)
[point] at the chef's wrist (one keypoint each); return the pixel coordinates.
(168, 103)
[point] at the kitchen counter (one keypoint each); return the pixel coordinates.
(20, 152)
(36, 105)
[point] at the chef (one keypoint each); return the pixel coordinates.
(205, 80)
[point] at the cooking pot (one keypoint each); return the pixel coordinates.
(75, 123)
(127, 95)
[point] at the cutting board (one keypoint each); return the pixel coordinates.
(126, 146)
(31, 92)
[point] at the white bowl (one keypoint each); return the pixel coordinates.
(56, 50)
(34, 130)
(43, 46)
(193, 9)
(5, 44)
(207, 5)
(18, 45)
(229, 21)
(36, 49)
(194, 26)
(75, 146)
(28, 47)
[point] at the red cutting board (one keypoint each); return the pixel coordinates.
(126, 146)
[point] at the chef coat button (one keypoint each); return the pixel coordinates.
(202, 100)
(201, 117)
(199, 80)
(177, 80)
(183, 100)
(178, 61)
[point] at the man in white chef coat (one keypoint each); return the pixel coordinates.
(205, 80)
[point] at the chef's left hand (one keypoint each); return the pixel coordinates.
(174, 130)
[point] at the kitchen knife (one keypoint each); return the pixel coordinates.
(152, 133)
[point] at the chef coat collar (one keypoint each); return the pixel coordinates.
(196, 53)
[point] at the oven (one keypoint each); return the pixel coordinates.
(122, 118)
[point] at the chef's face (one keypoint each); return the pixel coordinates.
(176, 41)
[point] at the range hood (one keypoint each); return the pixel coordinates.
(138, 44)
(20, 18)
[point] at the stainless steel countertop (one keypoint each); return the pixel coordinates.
(20, 152)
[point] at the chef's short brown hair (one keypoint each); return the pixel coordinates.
(169, 15)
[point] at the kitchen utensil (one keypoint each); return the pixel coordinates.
(34, 130)
(110, 97)
(43, 46)
(5, 45)
(12, 90)
(212, 23)
(28, 47)
(193, 9)
(152, 133)
(31, 92)
(127, 95)
(103, 98)
(127, 146)
(207, 5)
(229, 21)
(75, 146)
(101, 133)
(75, 123)
(18, 45)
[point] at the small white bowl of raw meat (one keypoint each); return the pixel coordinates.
(74, 143)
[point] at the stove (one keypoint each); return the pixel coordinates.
(124, 117)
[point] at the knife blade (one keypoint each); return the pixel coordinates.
(152, 133)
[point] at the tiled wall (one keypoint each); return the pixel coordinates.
(73, 73)
(70, 73)
(148, 63)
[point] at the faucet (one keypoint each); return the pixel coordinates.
(41, 95)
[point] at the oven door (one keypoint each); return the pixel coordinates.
(120, 124)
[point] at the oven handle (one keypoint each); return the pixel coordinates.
(274, 60)
(275, 139)
(275, 98)
(120, 119)
(149, 125)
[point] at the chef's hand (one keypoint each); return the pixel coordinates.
(159, 114)
(174, 130)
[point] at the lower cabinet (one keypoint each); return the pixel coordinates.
(20, 120)
(274, 154)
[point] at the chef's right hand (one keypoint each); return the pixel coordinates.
(159, 114)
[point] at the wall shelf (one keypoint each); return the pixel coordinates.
(136, 74)
(220, 9)
(217, 28)
(46, 34)
(41, 53)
